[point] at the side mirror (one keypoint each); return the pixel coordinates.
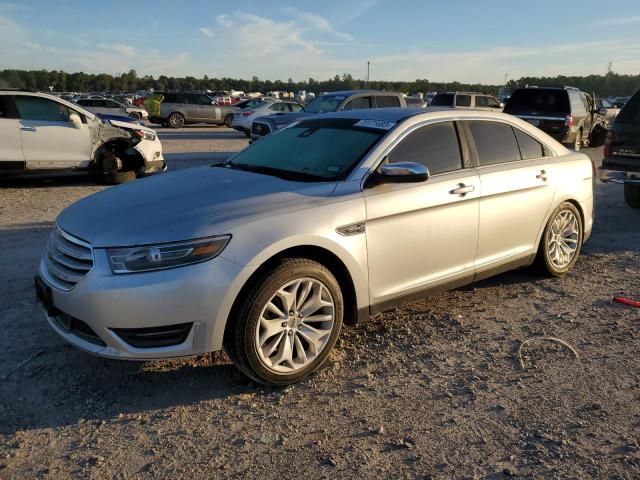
(75, 120)
(403, 172)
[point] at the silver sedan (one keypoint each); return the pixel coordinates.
(324, 223)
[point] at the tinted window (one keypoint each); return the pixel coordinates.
(442, 100)
(495, 142)
(111, 104)
(538, 100)
(171, 98)
(358, 103)
(295, 107)
(630, 113)
(325, 103)
(36, 108)
(493, 103)
(435, 146)
(463, 100)
(482, 101)
(529, 146)
(2, 114)
(577, 105)
(387, 102)
(84, 103)
(202, 100)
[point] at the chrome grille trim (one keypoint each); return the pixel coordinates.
(67, 259)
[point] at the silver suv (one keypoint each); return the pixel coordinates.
(474, 100)
(177, 109)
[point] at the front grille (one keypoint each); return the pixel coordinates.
(165, 336)
(260, 129)
(67, 259)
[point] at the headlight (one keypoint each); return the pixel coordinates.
(142, 135)
(165, 255)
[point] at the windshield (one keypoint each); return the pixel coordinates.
(538, 100)
(312, 150)
(325, 103)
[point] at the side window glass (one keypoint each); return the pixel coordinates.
(203, 100)
(482, 101)
(358, 103)
(112, 104)
(492, 102)
(435, 146)
(387, 101)
(463, 100)
(295, 107)
(280, 107)
(495, 142)
(529, 146)
(577, 107)
(36, 108)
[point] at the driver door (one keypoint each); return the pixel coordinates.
(49, 139)
(421, 236)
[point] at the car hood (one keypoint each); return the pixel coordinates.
(285, 118)
(186, 204)
(127, 125)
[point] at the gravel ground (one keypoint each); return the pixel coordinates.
(433, 389)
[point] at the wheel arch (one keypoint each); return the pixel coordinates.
(131, 158)
(316, 253)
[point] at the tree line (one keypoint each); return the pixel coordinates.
(59, 81)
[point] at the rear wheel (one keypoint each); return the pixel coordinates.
(632, 195)
(135, 115)
(287, 324)
(228, 119)
(561, 240)
(176, 120)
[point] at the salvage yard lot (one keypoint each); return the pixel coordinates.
(431, 389)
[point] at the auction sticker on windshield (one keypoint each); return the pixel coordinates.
(379, 124)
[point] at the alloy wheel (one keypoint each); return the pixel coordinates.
(295, 325)
(563, 238)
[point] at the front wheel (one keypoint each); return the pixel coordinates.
(561, 240)
(632, 195)
(287, 324)
(176, 120)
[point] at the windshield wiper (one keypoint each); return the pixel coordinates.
(274, 172)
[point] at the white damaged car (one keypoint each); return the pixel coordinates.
(43, 133)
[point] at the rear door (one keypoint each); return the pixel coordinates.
(421, 235)
(207, 112)
(48, 139)
(11, 156)
(515, 191)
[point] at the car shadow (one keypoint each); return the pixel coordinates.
(48, 180)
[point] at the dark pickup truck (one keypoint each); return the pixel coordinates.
(621, 163)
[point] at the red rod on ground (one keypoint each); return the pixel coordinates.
(627, 301)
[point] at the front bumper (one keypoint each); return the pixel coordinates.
(200, 295)
(151, 151)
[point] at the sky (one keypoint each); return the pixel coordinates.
(467, 41)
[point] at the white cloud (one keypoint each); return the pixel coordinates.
(207, 32)
(316, 22)
(362, 7)
(617, 21)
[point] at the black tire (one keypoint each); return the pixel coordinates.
(543, 260)
(120, 177)
(632, 195)
(598, 136)
(247, 133)
(175, 120)
(228, 119)
(135, 115)
(239, 339)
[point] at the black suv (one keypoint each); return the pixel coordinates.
(621, 163)
(566, 113)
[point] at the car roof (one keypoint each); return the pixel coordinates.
(358, 92)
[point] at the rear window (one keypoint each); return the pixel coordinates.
(630, 113)
(538, 100)
(442, 100)
(387, 102)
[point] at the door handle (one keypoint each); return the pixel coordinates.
(28, 129)
(462, 189)
(542, 176)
